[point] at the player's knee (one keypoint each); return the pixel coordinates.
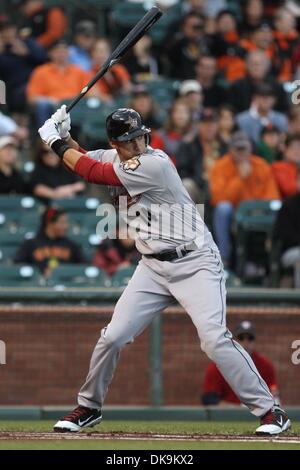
(114, 340)
(212, 342)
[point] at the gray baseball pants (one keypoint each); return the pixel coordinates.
(196, 281)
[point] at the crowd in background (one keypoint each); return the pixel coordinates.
(232, 130)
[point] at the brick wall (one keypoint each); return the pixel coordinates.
(48, 351)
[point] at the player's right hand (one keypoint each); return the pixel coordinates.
(63, 121)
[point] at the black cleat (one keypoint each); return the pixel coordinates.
(81, 417)
(274, 422)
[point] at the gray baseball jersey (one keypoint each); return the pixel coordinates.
(167, 216)
(196, 281)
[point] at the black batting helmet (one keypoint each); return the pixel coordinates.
(125, 124)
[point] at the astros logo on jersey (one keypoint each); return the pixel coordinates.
(131, 164)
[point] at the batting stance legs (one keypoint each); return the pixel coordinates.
(197, 283)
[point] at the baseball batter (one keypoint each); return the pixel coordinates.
(180, 261)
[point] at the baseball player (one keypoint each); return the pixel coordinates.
(182, 264)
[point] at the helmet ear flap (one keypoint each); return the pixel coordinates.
(147, 139)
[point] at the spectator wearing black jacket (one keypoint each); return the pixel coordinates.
(196, 158)
(186, 47)
(18, 58)
(45, 24)
(11, 180)
(287, 231)
(258, 73)
(50, 247)
(206, 74)
(50, 180)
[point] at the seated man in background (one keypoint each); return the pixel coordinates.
(50, 247)
(53, 82)
(216, 390)
(50, 180)
(238, 176)
(287, 232)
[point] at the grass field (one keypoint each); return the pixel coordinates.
(98, 438)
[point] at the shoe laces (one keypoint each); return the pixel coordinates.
(76, 413)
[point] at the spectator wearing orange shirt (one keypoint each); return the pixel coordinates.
(236, 177)
(116, 81)
(53, 82)
(45, 24)
(286, 171)
(216, 390)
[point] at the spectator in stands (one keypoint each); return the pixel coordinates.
(216, 390)
(9, 127)
(45, 24)
(84, 39)
(261, 113)
(144, 104)
(252, 14)
(287, 232)
(11, 180)
(206, 74)
(286, 39)
(50, 180)
(178, 128)
(226, 47)
(53, 82)
(141, 64)
(18, 58)
(186, 47)
(116, 82)
(258, 72)
(50, 247)
(294, 120)
(195, 159)
(237, 176)
(270, 146)
(227, 125)
(260, 39)
(286, 172)
(190, 92)
(115, 253)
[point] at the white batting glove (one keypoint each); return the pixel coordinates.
(49, 132)
(63, 121)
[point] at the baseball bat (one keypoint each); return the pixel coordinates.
(145, 23)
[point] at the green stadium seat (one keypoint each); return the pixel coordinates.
(19, 275)
(122, 276)
(253, 216)
(79, 204)
(78, 275)
(19, 204)
(9, 243)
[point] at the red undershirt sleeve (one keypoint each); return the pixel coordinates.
(97, 172)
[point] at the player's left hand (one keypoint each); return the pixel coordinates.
(63, 121)
(49, 132)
